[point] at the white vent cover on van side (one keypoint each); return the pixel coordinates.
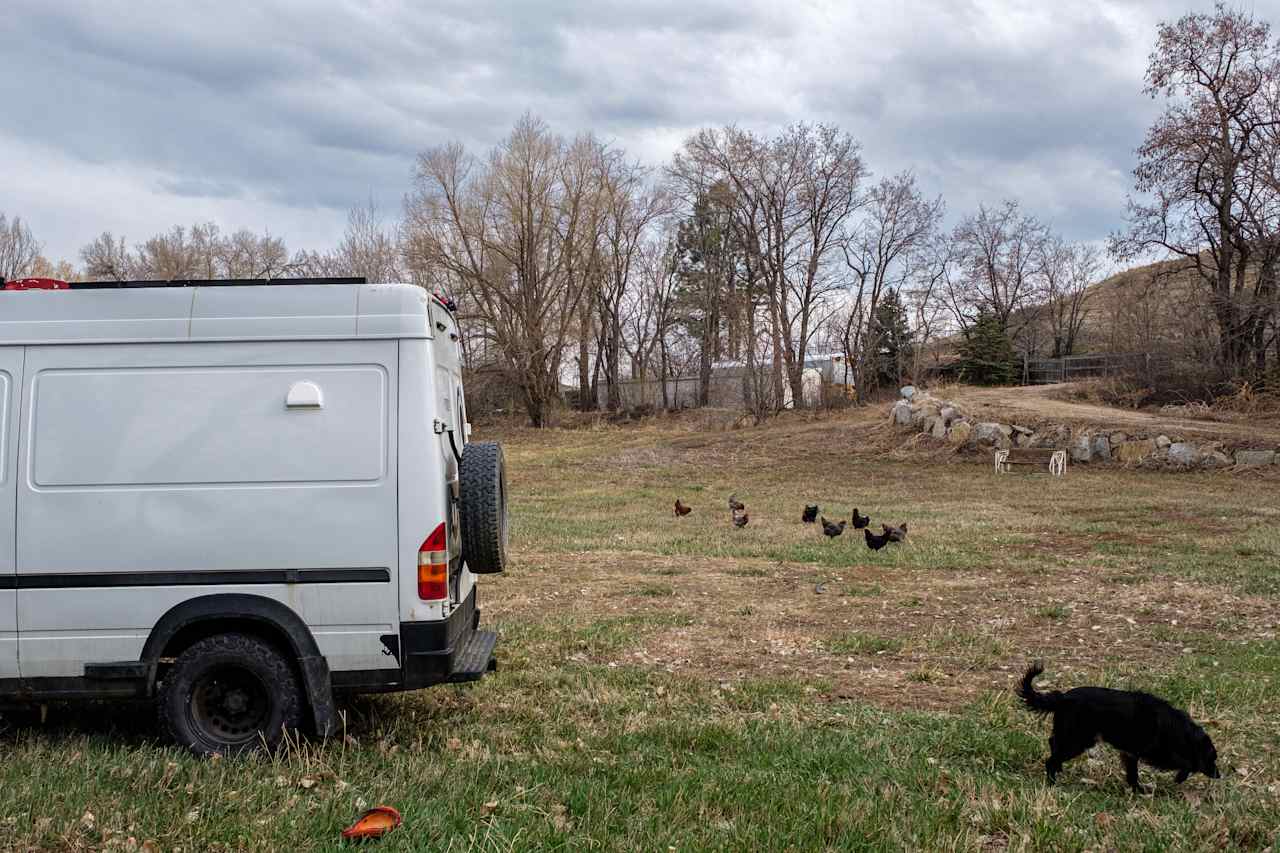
(304, 395)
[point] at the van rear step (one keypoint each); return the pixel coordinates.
(476, 657)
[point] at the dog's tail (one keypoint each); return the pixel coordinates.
(1041, 703)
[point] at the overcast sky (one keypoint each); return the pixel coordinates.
(135, 116)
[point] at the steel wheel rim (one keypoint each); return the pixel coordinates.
(230, 704)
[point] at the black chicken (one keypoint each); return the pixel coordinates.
(895, 534)
(860, 521)
(832, 530)
(681, 509)
(810, 514)
(735, 505)
(874, 542)
(740, 520)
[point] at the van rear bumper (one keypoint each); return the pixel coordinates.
(448, 651)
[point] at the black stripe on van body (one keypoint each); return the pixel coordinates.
(223, 578)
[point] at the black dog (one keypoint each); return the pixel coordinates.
(1142, 726)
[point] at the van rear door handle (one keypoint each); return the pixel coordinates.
(304, 395)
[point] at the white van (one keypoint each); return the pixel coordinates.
(239, 498)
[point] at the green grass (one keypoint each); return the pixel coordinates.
(602, 732)
(864, 644)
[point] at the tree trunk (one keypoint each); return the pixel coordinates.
(586, 397)
(665, 372)
(613, 373)
(707, 347)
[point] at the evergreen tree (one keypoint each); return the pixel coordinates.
(987, 356)
(893, 337)
(703, 264)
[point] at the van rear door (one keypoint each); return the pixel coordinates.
(449, 406)
(10, 405)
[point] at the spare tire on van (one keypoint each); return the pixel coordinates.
(482, 482)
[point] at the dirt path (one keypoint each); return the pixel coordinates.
(1039, 404)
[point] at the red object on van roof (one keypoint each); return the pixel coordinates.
(36, 284)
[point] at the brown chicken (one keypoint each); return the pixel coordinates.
(681, 509)
(736, 506)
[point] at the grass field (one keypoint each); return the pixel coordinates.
(679, 684)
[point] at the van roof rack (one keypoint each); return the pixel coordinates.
(213, 282)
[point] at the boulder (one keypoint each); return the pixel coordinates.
(1255, 458)
(901, 413)
(1057, 436)
(949, 414)
(939, 427)
(1184, 453)
(1216, 459)
(1021, 430)
(922, 409)
(1082, 448)
(1133, 452)
(996, 435)
(960, 433)
(1025, 439)
(907, 391)
(1118, 438)
(1102, 447)
(1163, 442)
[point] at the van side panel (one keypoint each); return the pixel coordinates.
(10, 381)
(185, 470)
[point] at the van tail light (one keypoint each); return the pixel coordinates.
(433, 566)
(36, 284)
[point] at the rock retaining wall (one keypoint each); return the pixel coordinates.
(947, 421)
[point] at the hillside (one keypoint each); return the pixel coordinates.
(1145, 308)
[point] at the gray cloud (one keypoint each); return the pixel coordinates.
(134, 116)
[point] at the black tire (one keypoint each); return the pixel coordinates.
(229, 694)
(482, 478)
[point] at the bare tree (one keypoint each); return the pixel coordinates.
(184, 254)
(19, 248)
(648, 311)
(44, 268)
(930, 316)
(108, 257)
(790, 200)
(1217, 73)
(509, 231)
(629, 205)
(175, 255)
(995, 251)
(1066, 270)
(883, 252)
(368, 249)
(244, 254)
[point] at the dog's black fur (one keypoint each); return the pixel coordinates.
(1143, 727)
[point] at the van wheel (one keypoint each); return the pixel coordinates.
(482, 478)
(229, 694)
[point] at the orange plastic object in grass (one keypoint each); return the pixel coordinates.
(374, 823)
